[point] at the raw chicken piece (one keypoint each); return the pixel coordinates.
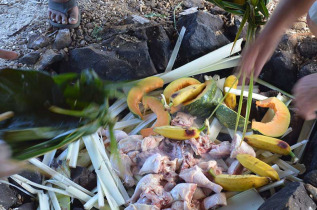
(221, 150)
(123, 168)
(143, 156)
(118, 135)
(133, 156)
(153, 164)
(131, 143)
(183, 120)
(183, 191)
(215, 200)
(206, 166)
(236, 148)
(222, 165)
(173, 149)
(201, 145)
(188, 161)
(151, 142)
(144, 201)
(235, 168)
(199, 194)
(139, 206)
(181, 205)
(195, 175)
(158, 196)
(150, 181)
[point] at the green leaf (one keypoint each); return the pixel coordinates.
(232, 5)
(262, 7)
(249, 105)
(266, 84)
(240, 104)
(50, 112)
(244, 20)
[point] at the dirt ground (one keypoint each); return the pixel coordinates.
(19, 19)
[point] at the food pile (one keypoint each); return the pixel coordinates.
(178, 163)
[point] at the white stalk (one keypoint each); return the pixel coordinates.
(102, 171)
(101, 200)
(112, 203)
(116, 104)
(22, 179)
(74, 154)
(53, 199)
(78, 194)
(127, 117)
(285, 166)
(175, 51)
(288, 131)
(273, 185)
(58, 176)
(294, 178)
(19, 188)
(148, 119)
(118, 110)
(124, 124)
(106, 160)
(214, 129)
(26, 186)
(62, 156)
(299, 144)
(43, 201)
(245, 93)
(202, 62)
(48, 157)
(69, 151)
(91, 202)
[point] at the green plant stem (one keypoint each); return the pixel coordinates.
(240, 104)
(249, 105)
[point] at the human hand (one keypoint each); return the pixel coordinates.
(305, 92)
(255, 55)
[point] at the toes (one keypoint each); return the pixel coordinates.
(73, 15)
(64, 19)
(59, 18)
(53, 16)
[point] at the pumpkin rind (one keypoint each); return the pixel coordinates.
(280, 122)
(139, 90)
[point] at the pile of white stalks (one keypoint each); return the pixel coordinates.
(57, 190)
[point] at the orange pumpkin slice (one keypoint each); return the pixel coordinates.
(139, 90)
(280, 122)
(163, 117)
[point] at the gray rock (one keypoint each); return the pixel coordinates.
(312, 191)
(292, 196)
(311, 178)
(63, 39)
(308, 48)
(280, 71)
(307, 69)
(37, 41)
(232, 28)
(84, 177)
(48, 58)
(30, 58)
(8, 197)
(125, 61)
(26, 206)
(158, 43)
(288, 43)
(204, 34)
(194, 3)
(32, 176)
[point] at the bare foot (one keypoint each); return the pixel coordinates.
(58, 17)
